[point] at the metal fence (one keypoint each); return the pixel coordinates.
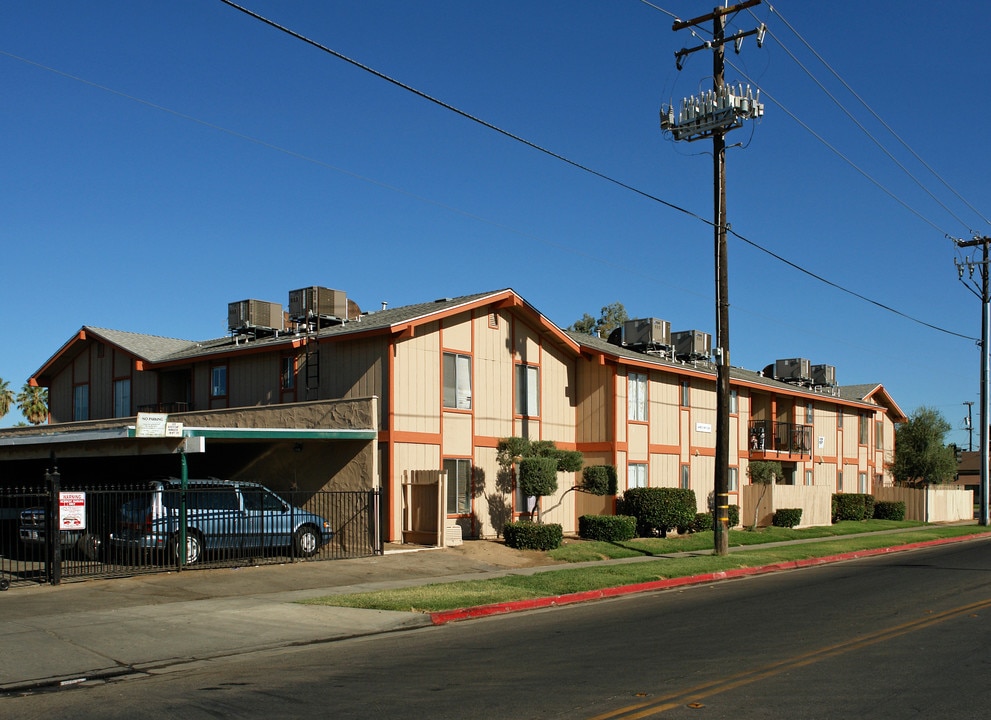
(164, 526)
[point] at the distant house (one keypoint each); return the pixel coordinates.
(449, 378)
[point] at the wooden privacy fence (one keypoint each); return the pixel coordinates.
(815, 501)
(931, 504)
(424, 506)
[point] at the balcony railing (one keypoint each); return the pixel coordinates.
(777, 437)
(171, 407)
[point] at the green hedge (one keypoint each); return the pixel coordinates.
(659, 510)
(787, 517)
(885, 510)
(608, 528)
(526, 535)
(852, 506)
(701, 523)
(599, 479)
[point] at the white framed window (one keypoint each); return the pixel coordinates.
(458, 485)
(457, 381)
(218, 381)
(636, 475)
(862, 482)
(686, 393)
(808, 414)
(528, 390)
(686, 477)
(636, 396)
(864, 428)
(80, 402)
(122, 397)
(839, 481)
(734, 401)
(734, 479)
(287, 372)
(808, 478)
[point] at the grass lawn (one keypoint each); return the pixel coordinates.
(661, 561)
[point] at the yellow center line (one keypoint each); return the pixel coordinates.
(714, 687)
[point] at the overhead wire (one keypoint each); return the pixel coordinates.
(876, 116)
(568, 161)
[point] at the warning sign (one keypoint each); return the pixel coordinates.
(72, 510)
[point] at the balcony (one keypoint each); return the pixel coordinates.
(776, 440)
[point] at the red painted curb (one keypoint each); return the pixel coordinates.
(443, 617)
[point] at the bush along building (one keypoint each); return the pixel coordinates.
(442, 382)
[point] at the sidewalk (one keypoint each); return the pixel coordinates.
(95, 630)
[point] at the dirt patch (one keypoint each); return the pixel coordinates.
(496, 552)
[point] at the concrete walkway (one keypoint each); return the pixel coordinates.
(96, 630)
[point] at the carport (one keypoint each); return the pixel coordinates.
(330, 469)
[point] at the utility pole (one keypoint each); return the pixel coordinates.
(713, 114)
(970, 425)
(984, 293)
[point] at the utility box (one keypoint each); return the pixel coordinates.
(254, 314)
(318, 302)
(692, 344)
(647, 331)
(824, 375)
(793, 370)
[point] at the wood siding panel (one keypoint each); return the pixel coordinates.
(492, 376)
(637, 443)
(557, 411)
(664, 394)
(417, 385)
(356, 368)
(457, 333)
(457, 436)
(595, 403)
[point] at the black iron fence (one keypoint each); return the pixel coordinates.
(780, 437)
(163, 525)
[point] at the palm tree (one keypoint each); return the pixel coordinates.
(6, 397)
(33, 402)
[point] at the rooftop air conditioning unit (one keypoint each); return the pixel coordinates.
(647, 331)
(318, 302)
(824, 375)
(793, 370)
(692, 344)
(254, 314)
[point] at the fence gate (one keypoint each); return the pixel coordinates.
(424, 506)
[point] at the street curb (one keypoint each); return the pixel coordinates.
(442, 617)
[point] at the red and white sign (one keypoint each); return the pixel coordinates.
(72, 511)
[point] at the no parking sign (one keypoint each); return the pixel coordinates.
(72, 510)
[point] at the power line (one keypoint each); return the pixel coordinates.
(584, 168)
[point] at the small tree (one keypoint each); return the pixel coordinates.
(762, 472)
(539, 462)
(921, 455)
(610, 317)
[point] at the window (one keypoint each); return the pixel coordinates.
(636, 475)
(122, 397)
(636, 396)
(457, 381)
(528, 390)
(80, 402)
(685, 477)
(734, 479)
(218, 381)
(808, 477)
(458, 485)
(839, 481)
(879, 435)
(734, 401)
(287, 372)
(686, 396)
(839, 419)
(864, 429)
(808, 414)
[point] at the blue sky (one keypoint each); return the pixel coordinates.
(161, 160)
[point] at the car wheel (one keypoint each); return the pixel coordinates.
(194, 548)
(306, 541)
(90, 545)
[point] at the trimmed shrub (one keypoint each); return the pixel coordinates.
(852, 506)
(659, 510)
(538, 476)
(525, 535)
(599, 480)
(734, 516)
(701, 523)
(608, 528)
(787, 517)
(887, 510)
